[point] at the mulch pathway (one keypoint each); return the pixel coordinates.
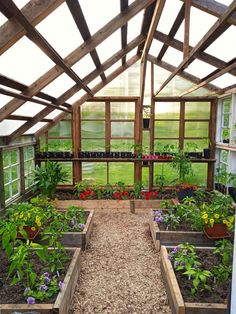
(120, 271)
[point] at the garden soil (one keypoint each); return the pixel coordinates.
(120, 271)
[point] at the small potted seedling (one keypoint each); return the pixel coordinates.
(146, 117)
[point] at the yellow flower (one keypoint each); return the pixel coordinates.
(204, 216)
(229, 225)
(212, 221)
(39, 224)
(33, 228)
(20, 227)
(225, 221)
(231, 219)
(217, 216)
(206, 221)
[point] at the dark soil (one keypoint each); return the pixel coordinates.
(219, 292)
(180, 227)
(15, 294)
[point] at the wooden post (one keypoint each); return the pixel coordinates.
(186, 28)
(152, 118)
(181, 125)
(107, 126)
(2, 191)
(76, 136)
(22, 171)
(138, 139)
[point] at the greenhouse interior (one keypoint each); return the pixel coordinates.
(117, 156)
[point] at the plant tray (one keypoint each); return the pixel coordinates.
(172, 238)
(62, 303)
(177, 304)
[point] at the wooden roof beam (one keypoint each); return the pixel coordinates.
(203, 56)
(78, 16)
(95, 90)
(155, 20)
(186, 28)
(178, 21)
(214, 8)
(42, 43)
(212, 76)
(134, 43)
(6, 81)
(27, 98)
(35, 11)
(183, 74)
(24, 118)
(215, 31)
(78, 54)
(123, 6)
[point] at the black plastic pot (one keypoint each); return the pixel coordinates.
(196, 155)
(217, 186)
(146, 123)
(206, 153)
(182, 193)
(232, 192)
(226, 141)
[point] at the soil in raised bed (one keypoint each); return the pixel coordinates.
(219, 292)
(15, 294)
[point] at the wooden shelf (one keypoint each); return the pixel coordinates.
(226, 146)
(202, 160)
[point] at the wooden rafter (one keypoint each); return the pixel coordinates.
(186, 28)
(35, 11)
(134, 43)
(183, 74)
(179, 19)
(216, 30)
(78, 16)
(95, 90)
(78, 54)
(155, 20)
(203, 56)
(42, 43)
(26, 98)
(6, 81)
(212, 76)
(25, 118)
(123, 6)
(214, 8)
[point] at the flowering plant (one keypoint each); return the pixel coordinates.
(121, 195)
(219, 211)
(185, 186)
(150, 195)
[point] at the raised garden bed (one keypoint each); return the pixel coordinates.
(77, 239)
(173, 237)
(177, 303)
(62, 302)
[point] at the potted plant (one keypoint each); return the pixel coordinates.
(146, 117)
(232, 189)
(183, 165)
(47, 177)
(225, 135)
(218, 217)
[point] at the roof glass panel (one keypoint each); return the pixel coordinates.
(29, 109)
(9, 126)
(4, 100)
(35, 128)
(197, 30)
(225, 2)
(199, 68)
(131, 54)
(84, 66)
(76, 96)
(21, 62)
(134, 26)
(59, 85)
(225, 80)
(155, 47)
(109, 46)
(199, 92)
(97, 17)
(21, 3)
(53, 114)
(3, 19)
(113, 67)
(64, 37)
(94, 82)
(169, 14)
(218, 47)
(173, 56)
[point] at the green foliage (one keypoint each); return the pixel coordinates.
(138, 186)
(182, 164)
(46, 178)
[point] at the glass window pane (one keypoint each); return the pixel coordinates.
(145, 177)
(7, 191)
(14, 172)
(59, 145)
(15, 187)
(167, 110)
(226, 105)
(6, 159)
(199, 174)
(121, 172)
(93, 110)
(42, 141)
(95, 172)
(226, 120)
(170, 174)
(14, 156)
(67, 166)
(146, 140)
(93, 145)
(197, 110)
(166, 129)
(122, 145)
(93, 129)
(224, 156)
(122, 129)
(196, 129)
(123, 110)
(170, 146)
(62, 128)
(7, 175)
(28, 152)
(195, 145)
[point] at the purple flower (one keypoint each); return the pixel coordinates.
(195, 266)
(184, 252)
(27, 289)
(30, 300)
(182, 264)
(159, 219)
(43, 288)
(72, 222)
(81, 226)
(46, 274)
(47, 280)
(169, 257)
(175, 250)
(60, 285)
(176, 263)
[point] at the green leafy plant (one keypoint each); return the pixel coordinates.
(138, 186)
(182, 164)
(47, 177)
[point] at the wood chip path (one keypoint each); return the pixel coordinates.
(120, 270)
